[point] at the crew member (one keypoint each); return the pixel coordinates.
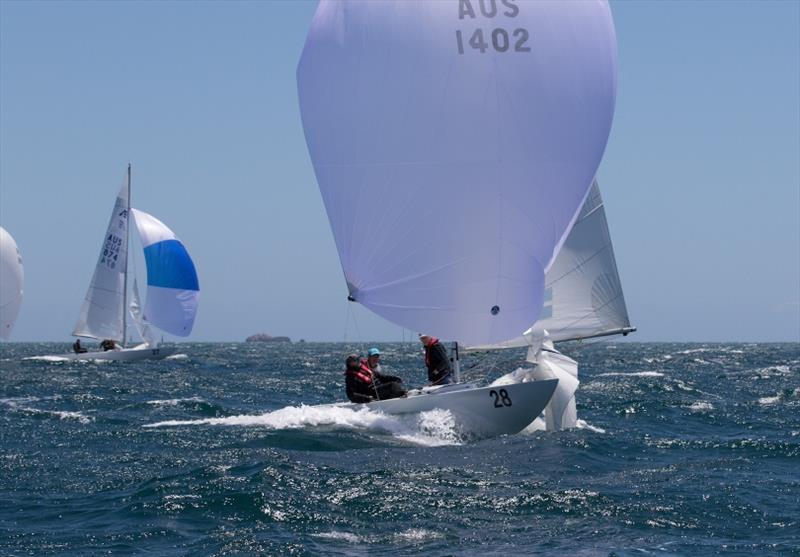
(436, 360)
(363, 385)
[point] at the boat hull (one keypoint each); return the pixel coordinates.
(481, 411)
(124, 355)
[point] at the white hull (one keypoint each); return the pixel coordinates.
(141, 352)
(482, 411)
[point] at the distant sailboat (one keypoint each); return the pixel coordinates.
(172, 287)
(11, 278)
(453, 143)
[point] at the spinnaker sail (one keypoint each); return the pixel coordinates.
(172, 285)
(11, 280)
(454, 143)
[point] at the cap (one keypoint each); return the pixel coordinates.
(352, 360)
(373, 352)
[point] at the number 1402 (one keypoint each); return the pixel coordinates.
(500, 40)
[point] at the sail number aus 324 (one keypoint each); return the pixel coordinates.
(500, 397)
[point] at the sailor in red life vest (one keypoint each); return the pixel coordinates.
(436, 360)
(363, 385)
(373, 361)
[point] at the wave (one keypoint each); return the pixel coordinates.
(175, 401)
(581, 424)
(701, 407)
(432, 428)
(20, 405)
(633, 374)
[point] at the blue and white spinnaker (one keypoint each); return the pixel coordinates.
(172, 286)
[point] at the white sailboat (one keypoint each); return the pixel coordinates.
(454, 143)
(172, 288)
(11, 278)
(583, 300)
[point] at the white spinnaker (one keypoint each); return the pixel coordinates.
(103, 313)
(450, 174)
(172, 286)
(142, 326)
(11, 279)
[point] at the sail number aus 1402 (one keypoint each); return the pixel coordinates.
(491, 12)
(501, 398)
(500, 40)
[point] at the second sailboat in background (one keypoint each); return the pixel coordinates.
(172, 289)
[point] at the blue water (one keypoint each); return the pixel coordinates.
(683, 449)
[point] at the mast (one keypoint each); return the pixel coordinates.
(456, 363)
(127, 246)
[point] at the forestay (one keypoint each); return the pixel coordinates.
(11, 278)
(102, 313)
(453, 143)
(172, 286)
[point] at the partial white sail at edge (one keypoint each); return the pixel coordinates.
(11, 279)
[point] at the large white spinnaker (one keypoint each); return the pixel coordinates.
(172, 285)
(11, 278)
(102, 314)
(453, 143)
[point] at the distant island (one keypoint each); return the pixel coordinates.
(264, 337)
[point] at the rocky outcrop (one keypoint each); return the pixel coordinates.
(264, 337)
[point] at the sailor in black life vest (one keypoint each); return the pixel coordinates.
(436, 360)
(364, 385)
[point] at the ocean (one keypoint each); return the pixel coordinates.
(682, 449)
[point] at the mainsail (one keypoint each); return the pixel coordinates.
(453, 143)
(172, 286)
(102, 314)
(11, 277)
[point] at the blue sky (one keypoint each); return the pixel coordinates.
(701, 177)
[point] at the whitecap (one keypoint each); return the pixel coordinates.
(634, 374)
(701, 407)
(767, 400)
(418, 535)
(19, 404)
(177, 357)
(432, 428)
(47, 358)
(174, 401)
(343, 536)
(581, 424)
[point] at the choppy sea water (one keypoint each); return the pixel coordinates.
(683, 449)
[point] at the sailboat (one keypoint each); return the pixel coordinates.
(454, 144)
(583, 300)
(11, 278)
(172, 288)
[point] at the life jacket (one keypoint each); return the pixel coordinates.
(428, 351)
(363, 373)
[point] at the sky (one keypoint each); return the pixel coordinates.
(701, 176)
